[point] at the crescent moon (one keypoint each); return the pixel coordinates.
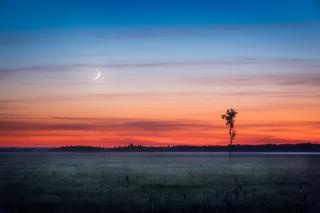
(98, 75)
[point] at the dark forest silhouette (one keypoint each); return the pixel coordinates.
(300, 147)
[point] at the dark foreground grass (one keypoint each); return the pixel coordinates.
(158, 182)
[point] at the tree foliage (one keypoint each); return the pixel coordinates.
(229, 117)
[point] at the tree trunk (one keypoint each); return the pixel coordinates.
(230, 144)
(229, 153)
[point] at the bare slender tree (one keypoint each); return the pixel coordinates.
(229, 117)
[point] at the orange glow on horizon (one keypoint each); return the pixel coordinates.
(159, 115)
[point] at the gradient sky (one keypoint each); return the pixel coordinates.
(169, 69)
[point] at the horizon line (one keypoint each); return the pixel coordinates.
(165, 146)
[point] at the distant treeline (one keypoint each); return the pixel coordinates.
(301, 147)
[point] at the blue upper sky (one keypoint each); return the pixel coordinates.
(101, 32)
(34, 14)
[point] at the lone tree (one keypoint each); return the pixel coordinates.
(229, 118)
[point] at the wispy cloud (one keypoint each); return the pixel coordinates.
(284, 79)
(281, 124)
(144, 125)
(187, 62)
(99, 124)
(272, 93)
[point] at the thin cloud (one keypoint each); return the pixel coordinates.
(6, 103)
(225, 61)
(281, 124)
(284, 79)
(104, 124)
(164, 125)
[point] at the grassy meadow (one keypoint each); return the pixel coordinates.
(158, 182)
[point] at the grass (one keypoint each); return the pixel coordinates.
(158, 182)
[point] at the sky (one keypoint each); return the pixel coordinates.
(169, 70)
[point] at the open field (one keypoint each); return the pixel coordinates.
(158, 182)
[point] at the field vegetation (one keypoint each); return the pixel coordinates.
(158, 182)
